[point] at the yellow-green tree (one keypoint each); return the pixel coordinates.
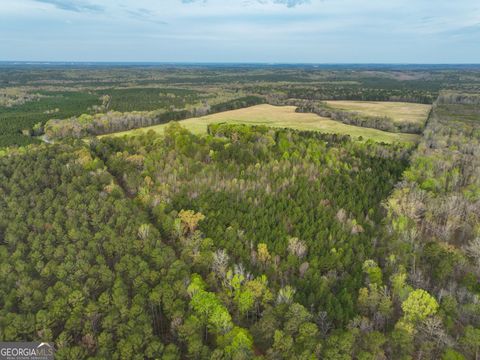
(419, 305)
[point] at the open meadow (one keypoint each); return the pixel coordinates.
(282, 117)
(399, 112)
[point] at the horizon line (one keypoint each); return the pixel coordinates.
(226, 62)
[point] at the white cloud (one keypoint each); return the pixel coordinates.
(73, 5)
(288, 3)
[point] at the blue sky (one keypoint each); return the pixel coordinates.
(307, 31)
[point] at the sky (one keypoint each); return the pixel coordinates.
(266, 31)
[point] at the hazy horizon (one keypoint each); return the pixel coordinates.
(241, 31)
(233, 63)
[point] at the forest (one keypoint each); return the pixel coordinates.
(109, 122)
(192, 271)
(32, 95)
(244, 242)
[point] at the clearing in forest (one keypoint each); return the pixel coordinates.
(399, 112)
(283, 117)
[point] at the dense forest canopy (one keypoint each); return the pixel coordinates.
(116, 224)
(246, 242)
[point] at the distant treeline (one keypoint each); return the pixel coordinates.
(343, 92)
(242, 102)
(104, 123)
(447, 97)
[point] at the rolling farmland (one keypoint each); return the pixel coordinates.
(282, 117)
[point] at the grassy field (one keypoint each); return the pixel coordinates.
(399, 112)
(283, 117)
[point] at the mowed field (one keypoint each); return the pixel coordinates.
(399, 112)
(283, 117)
